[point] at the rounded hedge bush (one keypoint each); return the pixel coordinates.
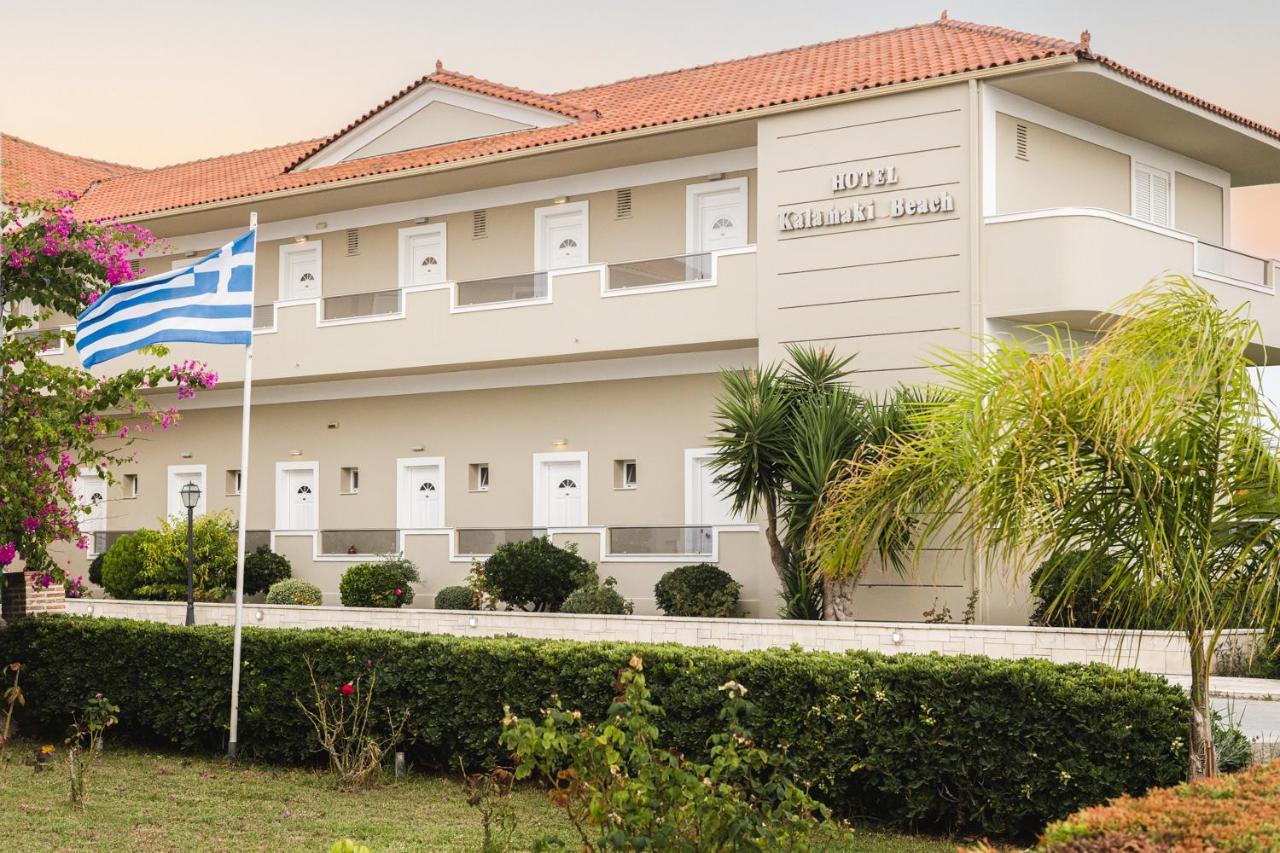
(263, 569)
(123, 563)
(95, 569)
(697, 590)
(534, 574)
(598, 598)
(295, 591)
(455, 598)
(385, 583)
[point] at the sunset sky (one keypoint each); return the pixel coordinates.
(149, 83)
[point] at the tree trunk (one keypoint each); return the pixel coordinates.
(1203, 762)
(777, 553)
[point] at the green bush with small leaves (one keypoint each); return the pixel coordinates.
(95, 569)
(164, 564)
(534, 574)
(697, 590)
(263, 568)
(387, 582)
(295, 591)
(123, 563)
(455, 598)
(967, 744)
(596, 597)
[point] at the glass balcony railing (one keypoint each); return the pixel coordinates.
(362, 305)
(659, 271)
(660, 541)
(104, 539)
(511, 288)
(1231, 264)
(481, 542)
(359, 541)
(264, 316)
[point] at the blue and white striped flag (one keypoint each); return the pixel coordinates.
(209, 302)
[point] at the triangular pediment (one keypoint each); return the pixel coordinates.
(433, 112)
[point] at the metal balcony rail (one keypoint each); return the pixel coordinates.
(264, 316)
(376, 541)
(481, 542)
(658, 271)
(354, 305)
(694, 541)
(511, 288)
(1231, 264)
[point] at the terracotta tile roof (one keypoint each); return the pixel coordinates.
(29, 172)
(926, 51)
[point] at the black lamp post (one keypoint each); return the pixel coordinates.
(190, 497)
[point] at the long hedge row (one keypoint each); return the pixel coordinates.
(953, 743)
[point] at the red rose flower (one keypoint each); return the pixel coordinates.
(399, 593)
(348, 689)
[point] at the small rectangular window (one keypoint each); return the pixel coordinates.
(350, 481)
(130, 485)
(233, 482)
(625, 474)
(479, 477)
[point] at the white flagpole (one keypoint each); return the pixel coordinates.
(233, 742)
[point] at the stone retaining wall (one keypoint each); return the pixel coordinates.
(1162, 653)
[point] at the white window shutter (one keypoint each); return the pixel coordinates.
(1150, 195)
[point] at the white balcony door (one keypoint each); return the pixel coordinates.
(297, 501)
(424, 498)
(91, 492)
(717, 213)
(300, 271)
(561, 236)
(179, 476)
(422, 255)
(704, 503)
(564, 496)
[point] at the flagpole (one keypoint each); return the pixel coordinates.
(233, 741)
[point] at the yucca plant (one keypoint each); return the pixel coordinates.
(782, 430)
(1152, 449)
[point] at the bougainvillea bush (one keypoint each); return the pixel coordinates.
(57, 420)
(1238, 811)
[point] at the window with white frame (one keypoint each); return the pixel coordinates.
(1152, 195)
(349, 481)
(422, 255)
(478, 477)
(625, 474)
(130, 485)
(233, 482)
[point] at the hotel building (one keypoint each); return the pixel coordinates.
(486, 313)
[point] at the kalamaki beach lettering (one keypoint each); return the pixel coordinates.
(820, 217)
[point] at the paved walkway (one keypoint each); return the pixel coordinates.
(1253, 702)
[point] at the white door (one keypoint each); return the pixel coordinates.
(562, 236)
(301, 273)
(91, 492)
(424, 498)
(425, 257)
(721, 221)
(300, 499)
(179, 478)
(564, 495)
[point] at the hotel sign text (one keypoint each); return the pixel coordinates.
(853, 212)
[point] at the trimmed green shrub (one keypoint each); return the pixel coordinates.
(596, 597)
(388, 582)
(697, 590)
(455, 598)
(967, 744)
(534, 574)
(122, 565)
(263, 568)
(164, 559)
(295, 591)
(95, 569)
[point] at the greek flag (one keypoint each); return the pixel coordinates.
(209, 302)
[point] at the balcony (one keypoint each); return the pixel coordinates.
(362, 541)
(1072, 265)
(481, 542)
(660, 541)
(673, 304)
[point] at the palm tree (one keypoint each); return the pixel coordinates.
(1151, 449)
(782, 431)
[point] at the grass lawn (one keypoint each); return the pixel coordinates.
(141, 800)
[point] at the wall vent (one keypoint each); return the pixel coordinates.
(1021, 144)
(479, 224)
(134, 266)
(353, 241)
(624, 204)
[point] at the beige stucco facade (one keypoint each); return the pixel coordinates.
(896, 227)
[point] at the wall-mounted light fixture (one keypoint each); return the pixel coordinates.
(186, 454)
(559, 442)
(561, 200)
(295, 452)
(320, 226)
(301, 238)
(257, 615)
(332, 425)
(716, 176)
(422, 220)
(896, 636)
(471, 623)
